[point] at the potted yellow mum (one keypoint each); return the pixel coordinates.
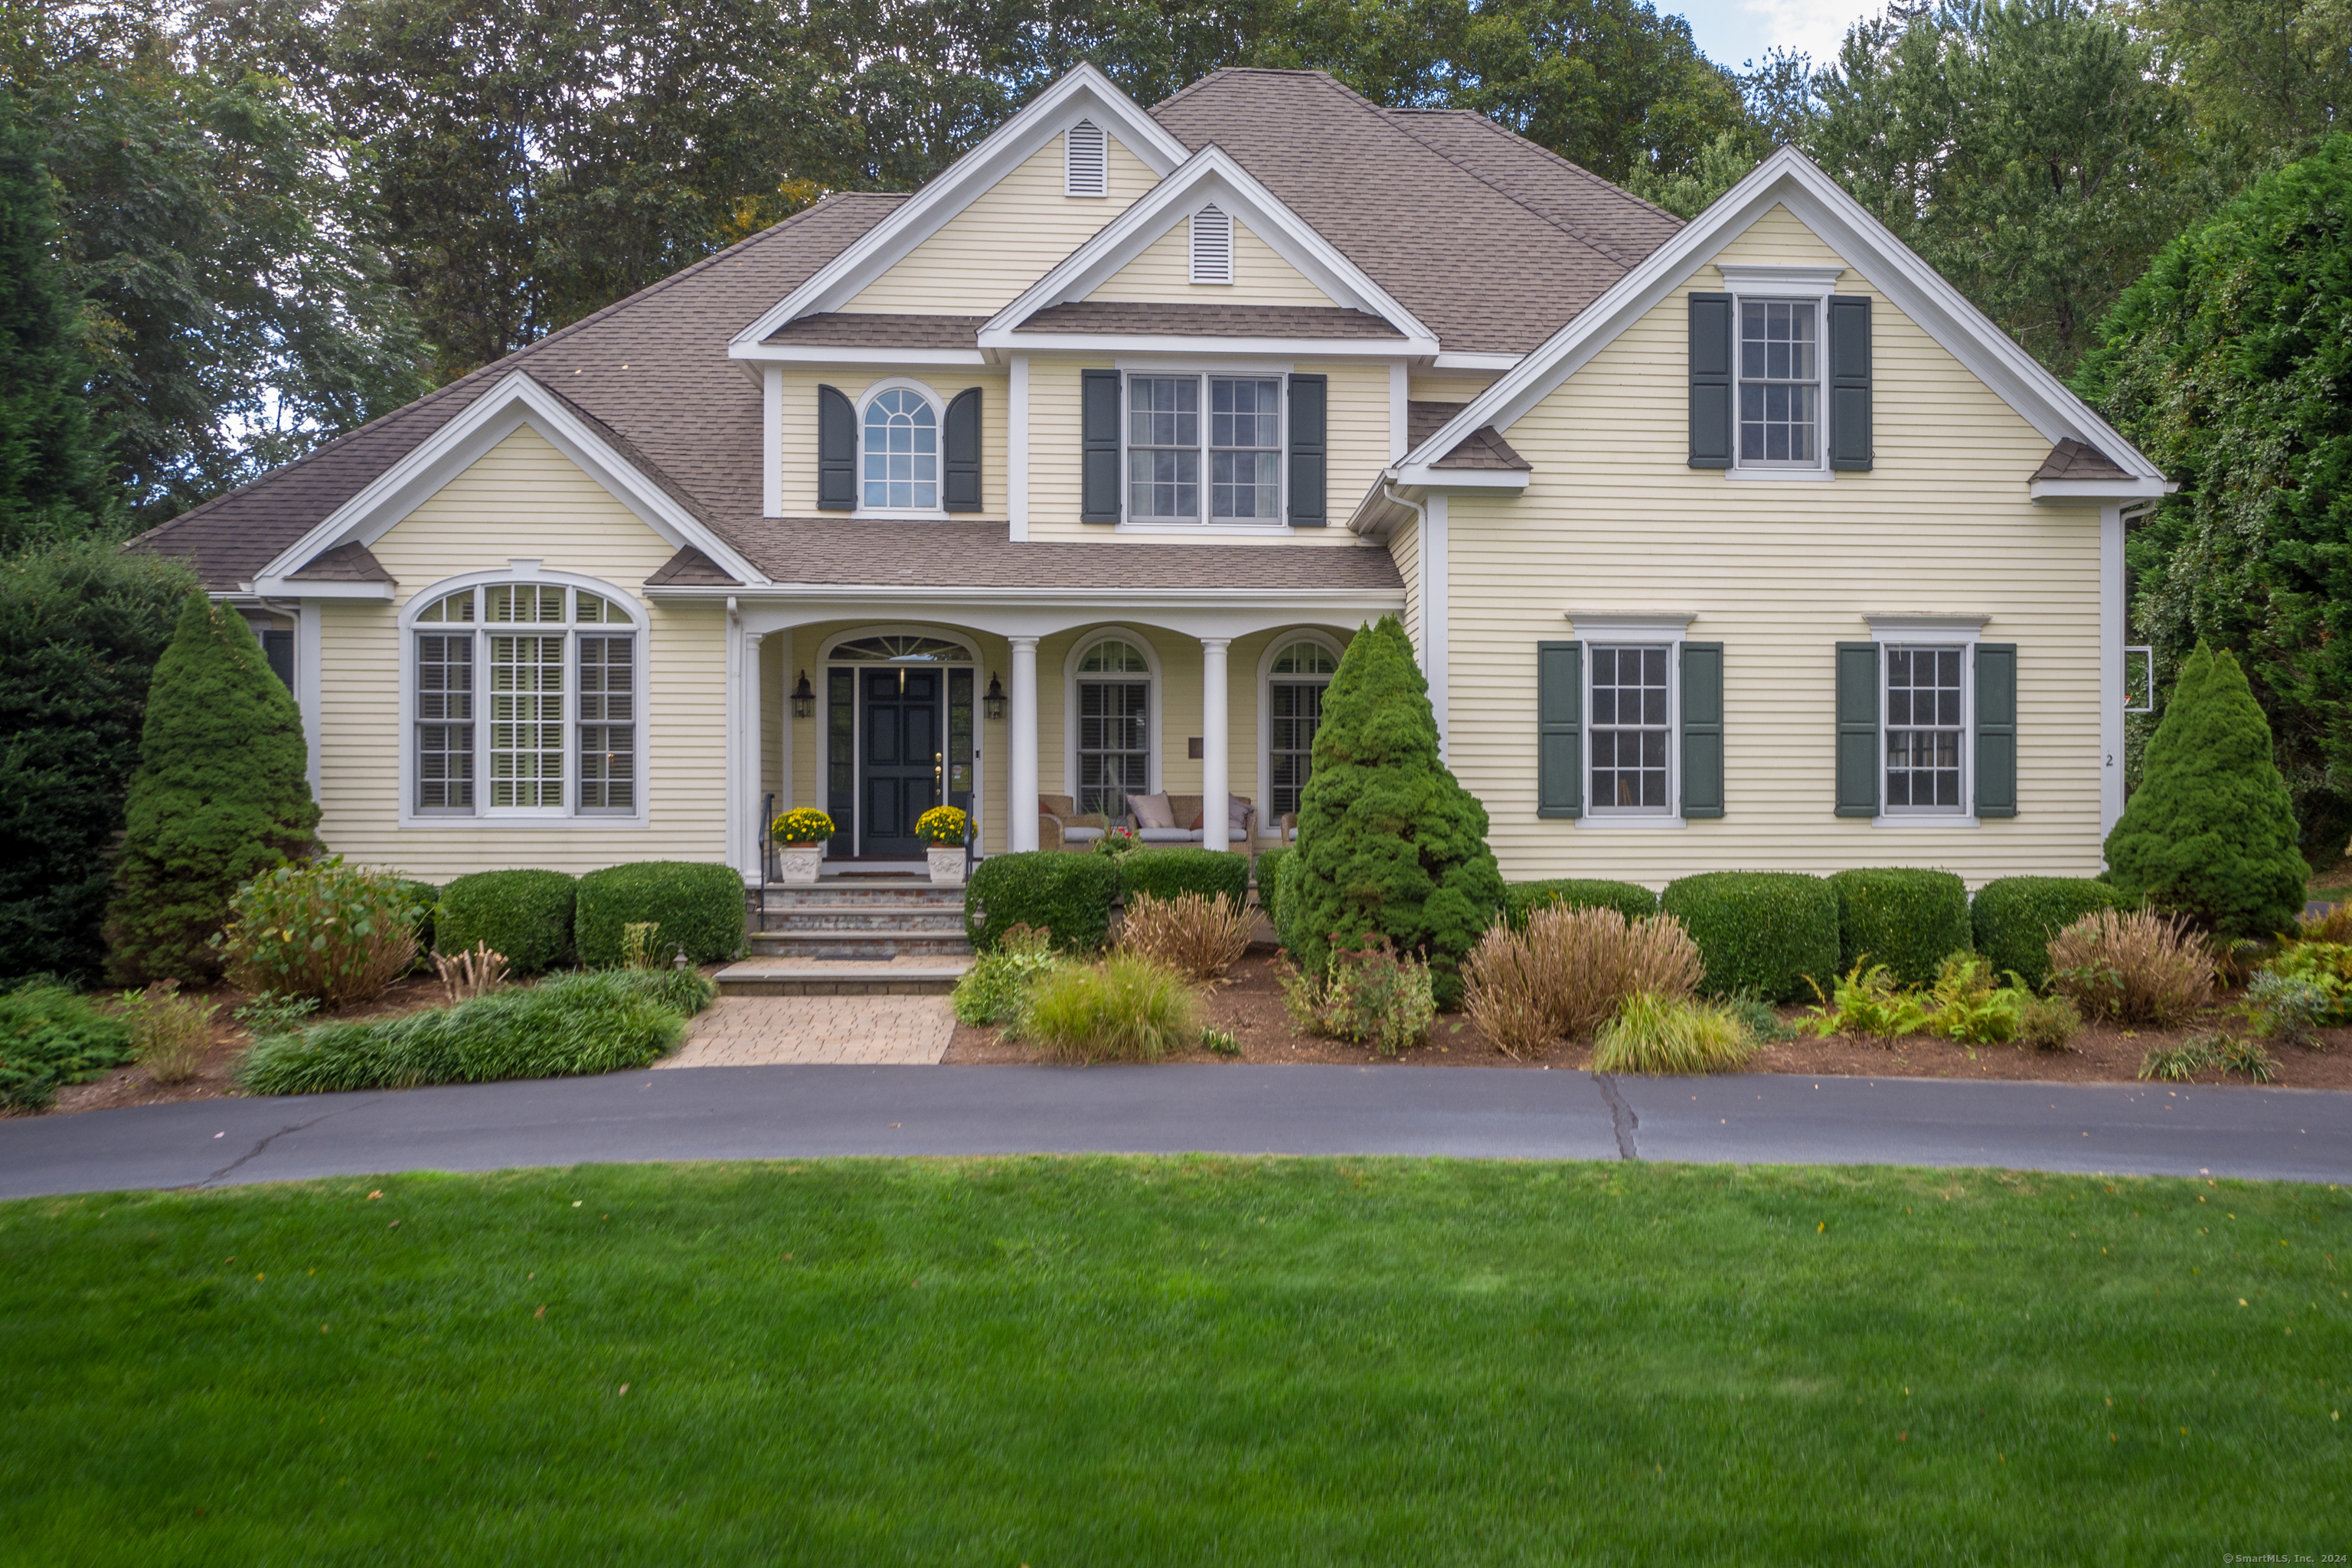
(802, 834)
(942, 829)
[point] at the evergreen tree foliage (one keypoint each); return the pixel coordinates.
(2210, 831)
(81, 625)
(1388, 842)
(52, 484)
(220, 797)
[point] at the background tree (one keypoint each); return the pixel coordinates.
(2274, 74)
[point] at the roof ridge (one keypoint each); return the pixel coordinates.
(1585, 241)
(1567, 163)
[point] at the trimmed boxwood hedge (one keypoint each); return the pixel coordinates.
(2015, 916)
(698, 906)
(525, 915)
(1269, 886)
(1762, 932)
(1909, 921)
(1628, 899)
(1071, 895)
(1164, 872)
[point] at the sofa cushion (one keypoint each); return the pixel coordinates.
(1168, 835)
(1151, 811)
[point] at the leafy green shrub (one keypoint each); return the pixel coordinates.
(1389, 844)
(1068, 895)
(1755, 1015)
(525, 916)
(221, 795)
(322, 929)
(49, 1037)
(271, 1012)
(2048, 1023)
(422, 898)
(1671, 1034)
(2325, 965)
(1768, 934)
(698, 906)
(1286, 878)
(1967, 1003)
(1906, 919)
(2134, 966)
(1126, 1008)
(1166, 871)
(2323, 818)
(595, 1022)
(171, 1035)
(992, 989)
(1368, 994)
(1868, 1004)
(1629, 898)
(2014, 918)
(2289, 1007)
(2211, 832)
(1269, 872)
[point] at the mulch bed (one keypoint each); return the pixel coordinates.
(1248, 1004)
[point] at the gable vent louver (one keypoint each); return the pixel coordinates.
(1212, 247)
(1085, 161)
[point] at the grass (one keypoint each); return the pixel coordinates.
(1050, 1361)
(1654, 1034)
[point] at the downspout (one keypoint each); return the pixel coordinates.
(1429, 566)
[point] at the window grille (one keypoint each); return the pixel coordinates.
(1924, 723)
(1632, 728)
(1163, 446)
(1246, 447)
(1780, 382)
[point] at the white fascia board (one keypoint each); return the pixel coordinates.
(1384, 348)
(1210, 175)
(1084, 93)
(268, 587)
(1424, 476)
(1450, 361)
(821, 353)
(514, 402)
(2100, 490)
(1863, 243)
(1121, 599)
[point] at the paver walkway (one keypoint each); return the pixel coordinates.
(855, 1031)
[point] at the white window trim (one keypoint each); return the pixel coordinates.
(1815, 284)
(1926, 630)
(1666, 629)
(1167, 528)
(1155, 704)
(846, 833)
(1266, 678)
(567, 816)
(939, 417)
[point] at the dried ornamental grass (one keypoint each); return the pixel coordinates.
(169, 1033)
(2134, 966)
(1569, 969)
(477, 972)
(1201, 937)
(1504, 990)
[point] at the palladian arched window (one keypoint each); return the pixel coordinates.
(902, 452)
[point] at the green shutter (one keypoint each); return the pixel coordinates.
(1308, 396)
(1996, 728)
(1858, 748)
(836, 452)
(1560, 729)
(1849, 334)
(1098, 415)
(1702, 728)
(1710, 381)
(959, 452)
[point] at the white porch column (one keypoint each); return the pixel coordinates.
(1215, 770)
(1020, 750)
(748, 752)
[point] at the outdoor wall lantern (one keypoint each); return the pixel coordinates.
(804, 699)
(994, 701)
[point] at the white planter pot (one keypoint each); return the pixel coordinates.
(798, 862)
(947, 865)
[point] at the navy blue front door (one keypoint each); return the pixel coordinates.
(902, 757)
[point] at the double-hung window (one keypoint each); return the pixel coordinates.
(1780, 384)
(1924, 721)
(1239, 443)
(1632, 729)
(527, 699)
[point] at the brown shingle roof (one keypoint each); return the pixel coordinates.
(690, 568)
(343, 564)
(855, 551)
(2071, 459)
(846, 329)
(1147, 318)
(1481, 448)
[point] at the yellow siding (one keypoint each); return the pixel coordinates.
(1404, 548)
(523, 498)
(1012, 234)
(1164, 272)
(1778, 573)
(854, 382)
(1445, 388)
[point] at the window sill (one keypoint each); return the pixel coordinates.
(1624, 824)
(885, 514)
(1213, 530)
(1928, 819)
(535, 820)
(1781, 476)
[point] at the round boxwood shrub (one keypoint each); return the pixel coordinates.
(698, 906)
(1166, 871)
(1269, 886)
(1069, 895)
(1631, 899)
(1767, 933)
(2015, 916)
(1907, 920)
(525, 915)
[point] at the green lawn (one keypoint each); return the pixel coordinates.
(1101, 1361)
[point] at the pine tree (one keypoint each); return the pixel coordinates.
(1388, 842)
(52, 485)
(2211, 831)
(221, 795)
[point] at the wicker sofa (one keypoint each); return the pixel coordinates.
(1061, 825)
(1183, 809)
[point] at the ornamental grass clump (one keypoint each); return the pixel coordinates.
(2138, 967)
(1569, 969)
(340, 934)
(1126, 1008)
(49, 1037)
(1652, 1034)
(1200, 938)
(170, 1033)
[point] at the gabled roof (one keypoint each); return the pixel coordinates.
(2069, 460)
(343, 564)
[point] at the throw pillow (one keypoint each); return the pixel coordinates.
(1151, 811)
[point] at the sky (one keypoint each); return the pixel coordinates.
(1732, 31)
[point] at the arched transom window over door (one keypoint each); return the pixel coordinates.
(1295, 685)
(902, 452)
(1114, 730)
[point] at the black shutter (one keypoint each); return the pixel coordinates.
(1858, 748)
(1710, 381)
(836, 452)
(1702, 677)
(1098, 415)
(961, 447)
(1849, 335)
(1309, 396)
(278, 649)
(1996, 728)
(1560, 729)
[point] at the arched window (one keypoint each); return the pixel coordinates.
(902, 452)
(1294, 678)
(1114, 732)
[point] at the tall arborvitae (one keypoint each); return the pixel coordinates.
(221, 795)
(52, 484)
(1388, 842)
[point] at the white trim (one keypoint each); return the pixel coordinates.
(1930, 630)
(1747, 278)
(1197, 346)
(2101, 490)
(1423, 475)
(298, 588)
(1266, 816)
(498, 413)
(1475, 362)
(1203, 523)
(2114, 627)
(1641, 631)
(309, 649)
(743, 748)
(1400, 411)
(823, 685)
(772, 440)
(930, 395)
(1208, 177)
(1784, 286)
(1016, 447)
(831, 353)
(1630, 626)
(1208, 249)
(1083, 93)
(1803, 476)
(1155, 705)
(1021, 749)
(1915, 622)
(1436, 634)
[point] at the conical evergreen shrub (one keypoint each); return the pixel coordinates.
(2211, 832)
(219, 797)
(1388, 842)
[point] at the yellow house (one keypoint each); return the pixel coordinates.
(1058, 486)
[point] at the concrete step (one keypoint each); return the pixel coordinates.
(807, 977)
(911, 896)
(949, 922)
(775, 943)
